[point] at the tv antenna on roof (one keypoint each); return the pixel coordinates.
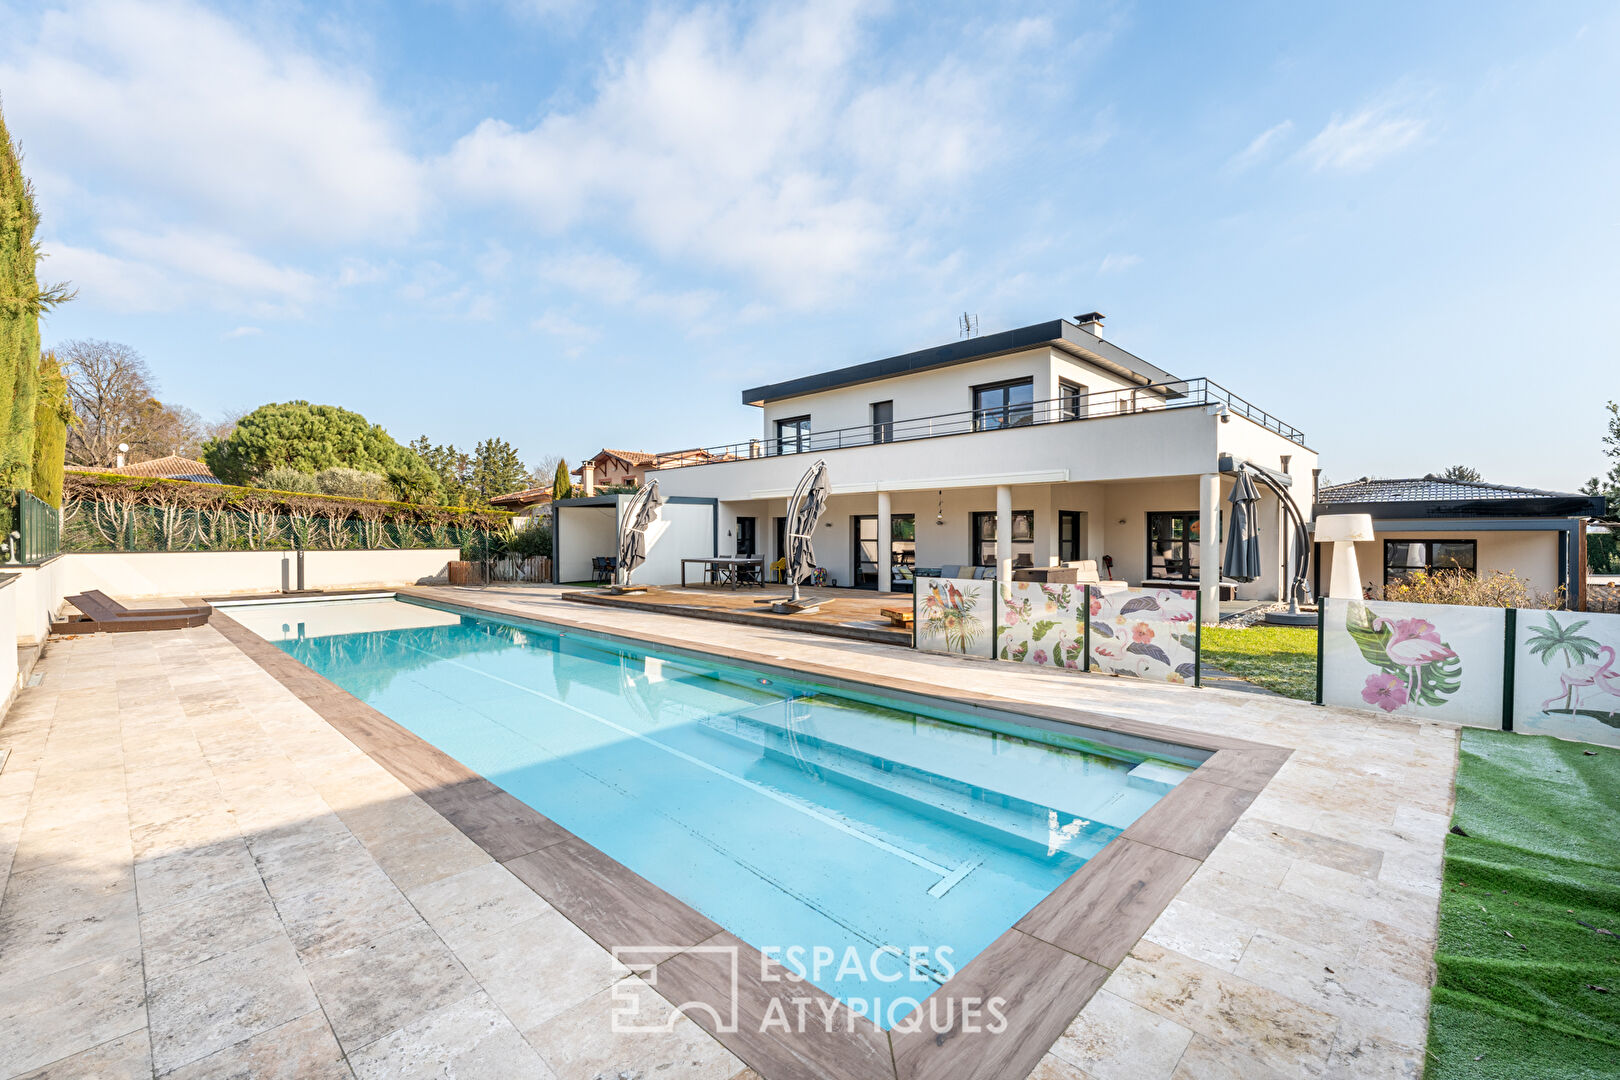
(967, 326)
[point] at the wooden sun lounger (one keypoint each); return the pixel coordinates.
(100, 613)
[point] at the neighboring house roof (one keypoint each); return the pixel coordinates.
(629, 457)
(526, 497)
(172, 467)
(1060, 334)
(1432, 496)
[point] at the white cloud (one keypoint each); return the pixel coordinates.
(244, 331)
(175, 100)
(174, 269)
(109, 282)
(1261, 148)
(1113, 264)
(1360, 141)
(765, 147)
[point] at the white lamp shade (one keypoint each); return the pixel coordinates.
(1334, 528)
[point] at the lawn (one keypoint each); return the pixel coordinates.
(1529, 953)
(1280, 658)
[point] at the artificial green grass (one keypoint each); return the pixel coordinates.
(1280, 658)
(1529, 914)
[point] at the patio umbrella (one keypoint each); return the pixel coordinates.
(639, 529)
(804, 512)
(1242, 561)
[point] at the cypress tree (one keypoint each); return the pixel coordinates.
(21, 301)
(53, 412)
(562, 487)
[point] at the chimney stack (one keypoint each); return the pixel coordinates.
(587, 478)
(123, 449)
(1091, 322)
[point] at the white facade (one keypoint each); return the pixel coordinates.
(1099, 441)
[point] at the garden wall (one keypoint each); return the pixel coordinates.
(1533, 671)
(137, 575)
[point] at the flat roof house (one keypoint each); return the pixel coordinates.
(1428, 523)
(1029, 447)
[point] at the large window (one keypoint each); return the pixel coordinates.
(1023, 538)
(793, 435)
(1402, 557)
(902, 547)
(1004, 404)
(1172, 546)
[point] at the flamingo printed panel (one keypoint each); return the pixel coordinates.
(1145, 633)
(1566, 679)
(1434, 661)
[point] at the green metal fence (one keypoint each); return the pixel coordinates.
(32, 529)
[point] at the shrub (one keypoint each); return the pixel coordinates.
(1502, 588)
(530, 541)
(282, 478)
(353, 483)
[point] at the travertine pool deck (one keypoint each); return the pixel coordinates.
(201, 877)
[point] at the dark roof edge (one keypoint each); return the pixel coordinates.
(1549, 505)
(1059, 333)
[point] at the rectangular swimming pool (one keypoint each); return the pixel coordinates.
(873, 843)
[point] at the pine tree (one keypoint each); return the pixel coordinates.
(21, 300)
(496, 470)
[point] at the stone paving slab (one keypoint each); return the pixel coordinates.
(201, 877)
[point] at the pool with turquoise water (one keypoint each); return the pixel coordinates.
(872, 843)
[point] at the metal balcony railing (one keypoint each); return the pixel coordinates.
(1189, 393)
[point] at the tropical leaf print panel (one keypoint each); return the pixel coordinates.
(1437, 661)
(955, 615)
(1145, 633)
(1566, 679)
(1040, 624)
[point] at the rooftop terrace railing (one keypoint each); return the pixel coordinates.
(1189, 393)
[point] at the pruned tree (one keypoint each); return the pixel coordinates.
(562, 484)
(53, 413)
(1461, 472)
(309, 438)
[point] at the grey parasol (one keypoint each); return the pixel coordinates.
(639, 528)
(1242, 561)
(804, 512)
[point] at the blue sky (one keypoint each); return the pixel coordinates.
(576, 225)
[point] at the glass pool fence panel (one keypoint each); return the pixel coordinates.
(1145, 633)
(30, 528)
(1565, 678)
(1040, 624)
(955, 615)
(1428, 661)
(97, 525)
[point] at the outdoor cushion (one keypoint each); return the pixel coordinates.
(950, 570)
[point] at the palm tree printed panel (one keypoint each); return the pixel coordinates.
(955, 615)
(1566, 680)
(1437, 661)
(1040, 624)
(1145, 633)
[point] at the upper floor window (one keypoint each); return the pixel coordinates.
(793, 435)
(882, 421)
(1004, 404)
(1071, 400)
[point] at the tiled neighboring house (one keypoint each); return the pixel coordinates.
(172, 467)
(529, 506)
(1428, 523)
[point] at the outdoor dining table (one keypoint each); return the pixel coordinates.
(728, 569)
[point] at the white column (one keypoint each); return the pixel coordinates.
(885, 549)
(1003, 533)
(1209, 545)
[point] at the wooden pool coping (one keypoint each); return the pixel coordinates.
(1044, 968)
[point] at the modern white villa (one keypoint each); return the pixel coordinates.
(1033, 447)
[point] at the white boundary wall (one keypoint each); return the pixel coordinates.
(38, 593)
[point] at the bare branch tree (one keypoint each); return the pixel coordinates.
(109, 384)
